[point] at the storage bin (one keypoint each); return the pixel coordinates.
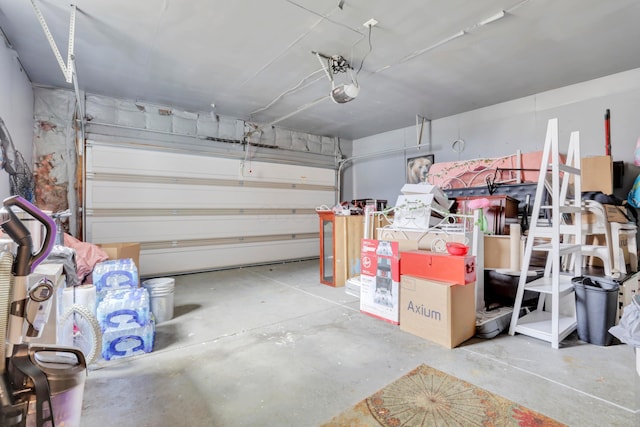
(161, 292)
(596, 307)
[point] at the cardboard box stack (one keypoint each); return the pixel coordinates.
(437, 296)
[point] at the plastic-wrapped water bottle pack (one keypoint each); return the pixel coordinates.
(115, 274)
(119, 343)
(123, 310)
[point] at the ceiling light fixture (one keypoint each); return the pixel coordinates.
(344, 93)
(492, 18)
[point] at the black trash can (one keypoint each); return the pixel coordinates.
(596, 308)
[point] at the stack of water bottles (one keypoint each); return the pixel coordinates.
(123, 310)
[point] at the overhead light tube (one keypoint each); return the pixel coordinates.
(492, 18)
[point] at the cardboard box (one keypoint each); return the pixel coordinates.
(444, 313)
(122, 251)
(439, 266)
(497, 251)
(614, 214)
(597, 174)
(348, 232)
(380, 279)
(423, 188)
(629, 288)
(415, 211)
(352, 287)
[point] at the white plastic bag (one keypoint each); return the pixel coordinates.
(628, 330)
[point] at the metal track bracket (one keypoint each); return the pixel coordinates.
(67, 69)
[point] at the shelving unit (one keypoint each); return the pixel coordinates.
(554, 318)
(340, 242)
(339, 247)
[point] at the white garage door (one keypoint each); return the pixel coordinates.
(197, 212)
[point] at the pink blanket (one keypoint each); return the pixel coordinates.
(87, 255)
(473, 173)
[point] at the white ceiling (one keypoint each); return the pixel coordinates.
(245, 55)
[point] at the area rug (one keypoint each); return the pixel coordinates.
(428, 397)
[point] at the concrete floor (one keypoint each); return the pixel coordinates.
(271, 346)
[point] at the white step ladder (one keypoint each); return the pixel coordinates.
(554, 317)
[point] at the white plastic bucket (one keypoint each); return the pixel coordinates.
(161, 292)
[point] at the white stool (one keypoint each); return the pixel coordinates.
(614, 261)
(604, 253)
(629, 231)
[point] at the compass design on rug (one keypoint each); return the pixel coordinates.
(428, 397)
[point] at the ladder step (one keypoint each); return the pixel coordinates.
(537, 324)
(565, 248)
(547, 231)
(570, 209)
(544, 285)
(565, 208)
(568, 169)
(563, 167)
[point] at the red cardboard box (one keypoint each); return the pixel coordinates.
(380, 279)
(441, 312)
(439, 266)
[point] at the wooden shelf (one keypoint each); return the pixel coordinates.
(564, 248)
(538, 324)
(544, 285)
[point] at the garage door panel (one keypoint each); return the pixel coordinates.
(201, 212)
(144, 162)
(172, 261)
(105, 195)
(150, 229)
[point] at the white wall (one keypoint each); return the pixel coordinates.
(503, 128)
(16, 108)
